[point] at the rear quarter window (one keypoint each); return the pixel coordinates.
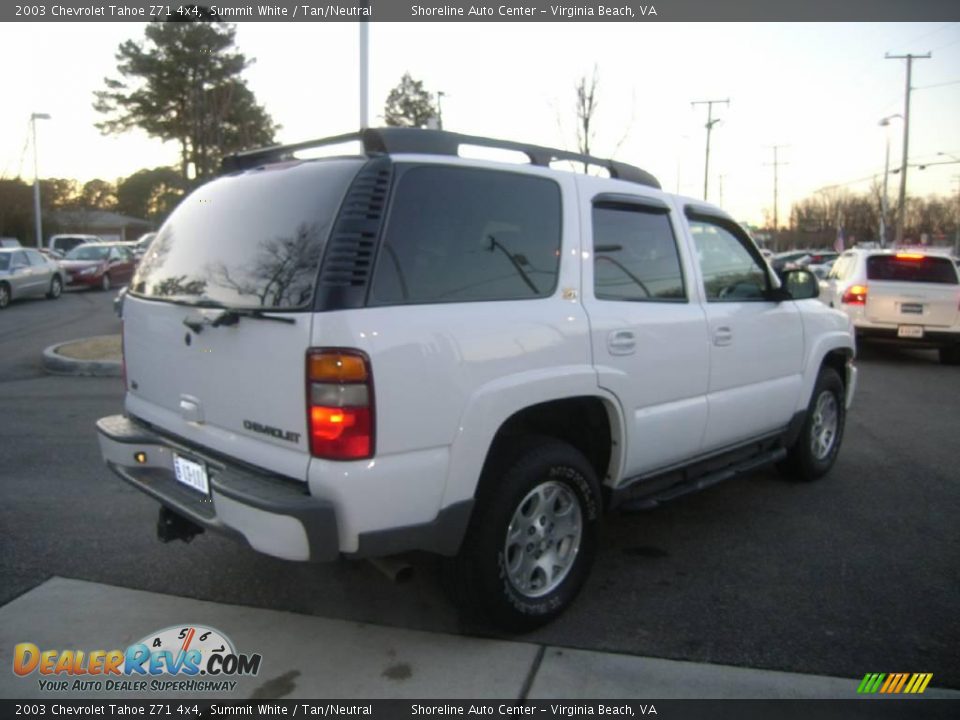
(465, 235)
(912, 268)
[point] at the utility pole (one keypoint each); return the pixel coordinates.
(710, 123)
(776, 200)
(902, 207)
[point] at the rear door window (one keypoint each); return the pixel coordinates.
(635, 255)
(907, 267)
(466, 234)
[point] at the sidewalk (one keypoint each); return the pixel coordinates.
(308, 657)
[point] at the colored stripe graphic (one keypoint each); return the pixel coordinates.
(894, 683)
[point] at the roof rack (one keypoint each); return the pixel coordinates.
(433, 142)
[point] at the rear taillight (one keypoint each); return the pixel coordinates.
(855, 295)
(340, 404)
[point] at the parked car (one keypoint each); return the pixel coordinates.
(65, 243)
(494, 354)
(140, 246)
(789, 260)
(907, 297)
(98, 265)
(25, 272)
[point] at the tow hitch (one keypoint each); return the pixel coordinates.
(171, 526)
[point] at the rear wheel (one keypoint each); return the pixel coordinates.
(532, 537)
(4, 295)
(815, 450)
(950, 355)
(105, 283)
(56, 287)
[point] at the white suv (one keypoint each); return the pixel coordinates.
(908, 297)
(360, 356)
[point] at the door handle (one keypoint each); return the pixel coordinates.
(723, 336)
(621, 342)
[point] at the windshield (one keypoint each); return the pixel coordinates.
(86, 252)
(250, 240)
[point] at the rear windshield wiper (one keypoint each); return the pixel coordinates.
(228, 316)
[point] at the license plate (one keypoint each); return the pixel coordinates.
(910, 331)
(192, 474)
(912, 308)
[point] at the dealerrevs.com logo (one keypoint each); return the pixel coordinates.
(178, 658)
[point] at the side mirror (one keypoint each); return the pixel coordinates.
(801, 284)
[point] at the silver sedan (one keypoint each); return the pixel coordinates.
(25, 272)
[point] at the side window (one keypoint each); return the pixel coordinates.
(20, 259)
(840, 268)
(634, 255)
(730, 272)
(465, 235)
(35, 257)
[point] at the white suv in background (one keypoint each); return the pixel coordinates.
(409, 350)
(909, 297)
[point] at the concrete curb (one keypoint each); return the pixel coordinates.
(57, 364)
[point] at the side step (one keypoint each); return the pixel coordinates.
(646, 496)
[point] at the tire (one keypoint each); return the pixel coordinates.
(56, 287)
(544, 503)
(4, 295)
(950, 355)
(816, 448)
(105, 283)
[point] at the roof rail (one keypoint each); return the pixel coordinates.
(433, 142)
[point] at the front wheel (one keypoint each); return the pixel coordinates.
(815, 450)
(105, 283)
(532, 537)
(4, 295)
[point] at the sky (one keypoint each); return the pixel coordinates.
(816, 90)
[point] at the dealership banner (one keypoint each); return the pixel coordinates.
(635, 11)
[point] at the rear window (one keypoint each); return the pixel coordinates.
(88, 252)
(912, 268)
(249, 240)
(465, 235)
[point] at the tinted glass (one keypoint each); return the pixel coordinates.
(463, 234)
(922, 269)
(730, 272)
(5, 261)
(635, 255)
(248, 240)
(88, 252)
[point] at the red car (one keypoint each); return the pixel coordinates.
(101, 265)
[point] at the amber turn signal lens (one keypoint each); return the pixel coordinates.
(337, 367)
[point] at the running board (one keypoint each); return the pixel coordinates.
(641, 500)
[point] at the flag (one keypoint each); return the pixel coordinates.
(838, 243)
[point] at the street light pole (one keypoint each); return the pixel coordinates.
(885, 199)
(36, 176)
(902, 209)
(710, 123)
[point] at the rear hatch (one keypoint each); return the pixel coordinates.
(912, 289)
(218, 317)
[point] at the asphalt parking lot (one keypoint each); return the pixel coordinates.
(857, 573)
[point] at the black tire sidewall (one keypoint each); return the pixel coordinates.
(56, 288)
(4, 295)
(484, 549)
(806, 466)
